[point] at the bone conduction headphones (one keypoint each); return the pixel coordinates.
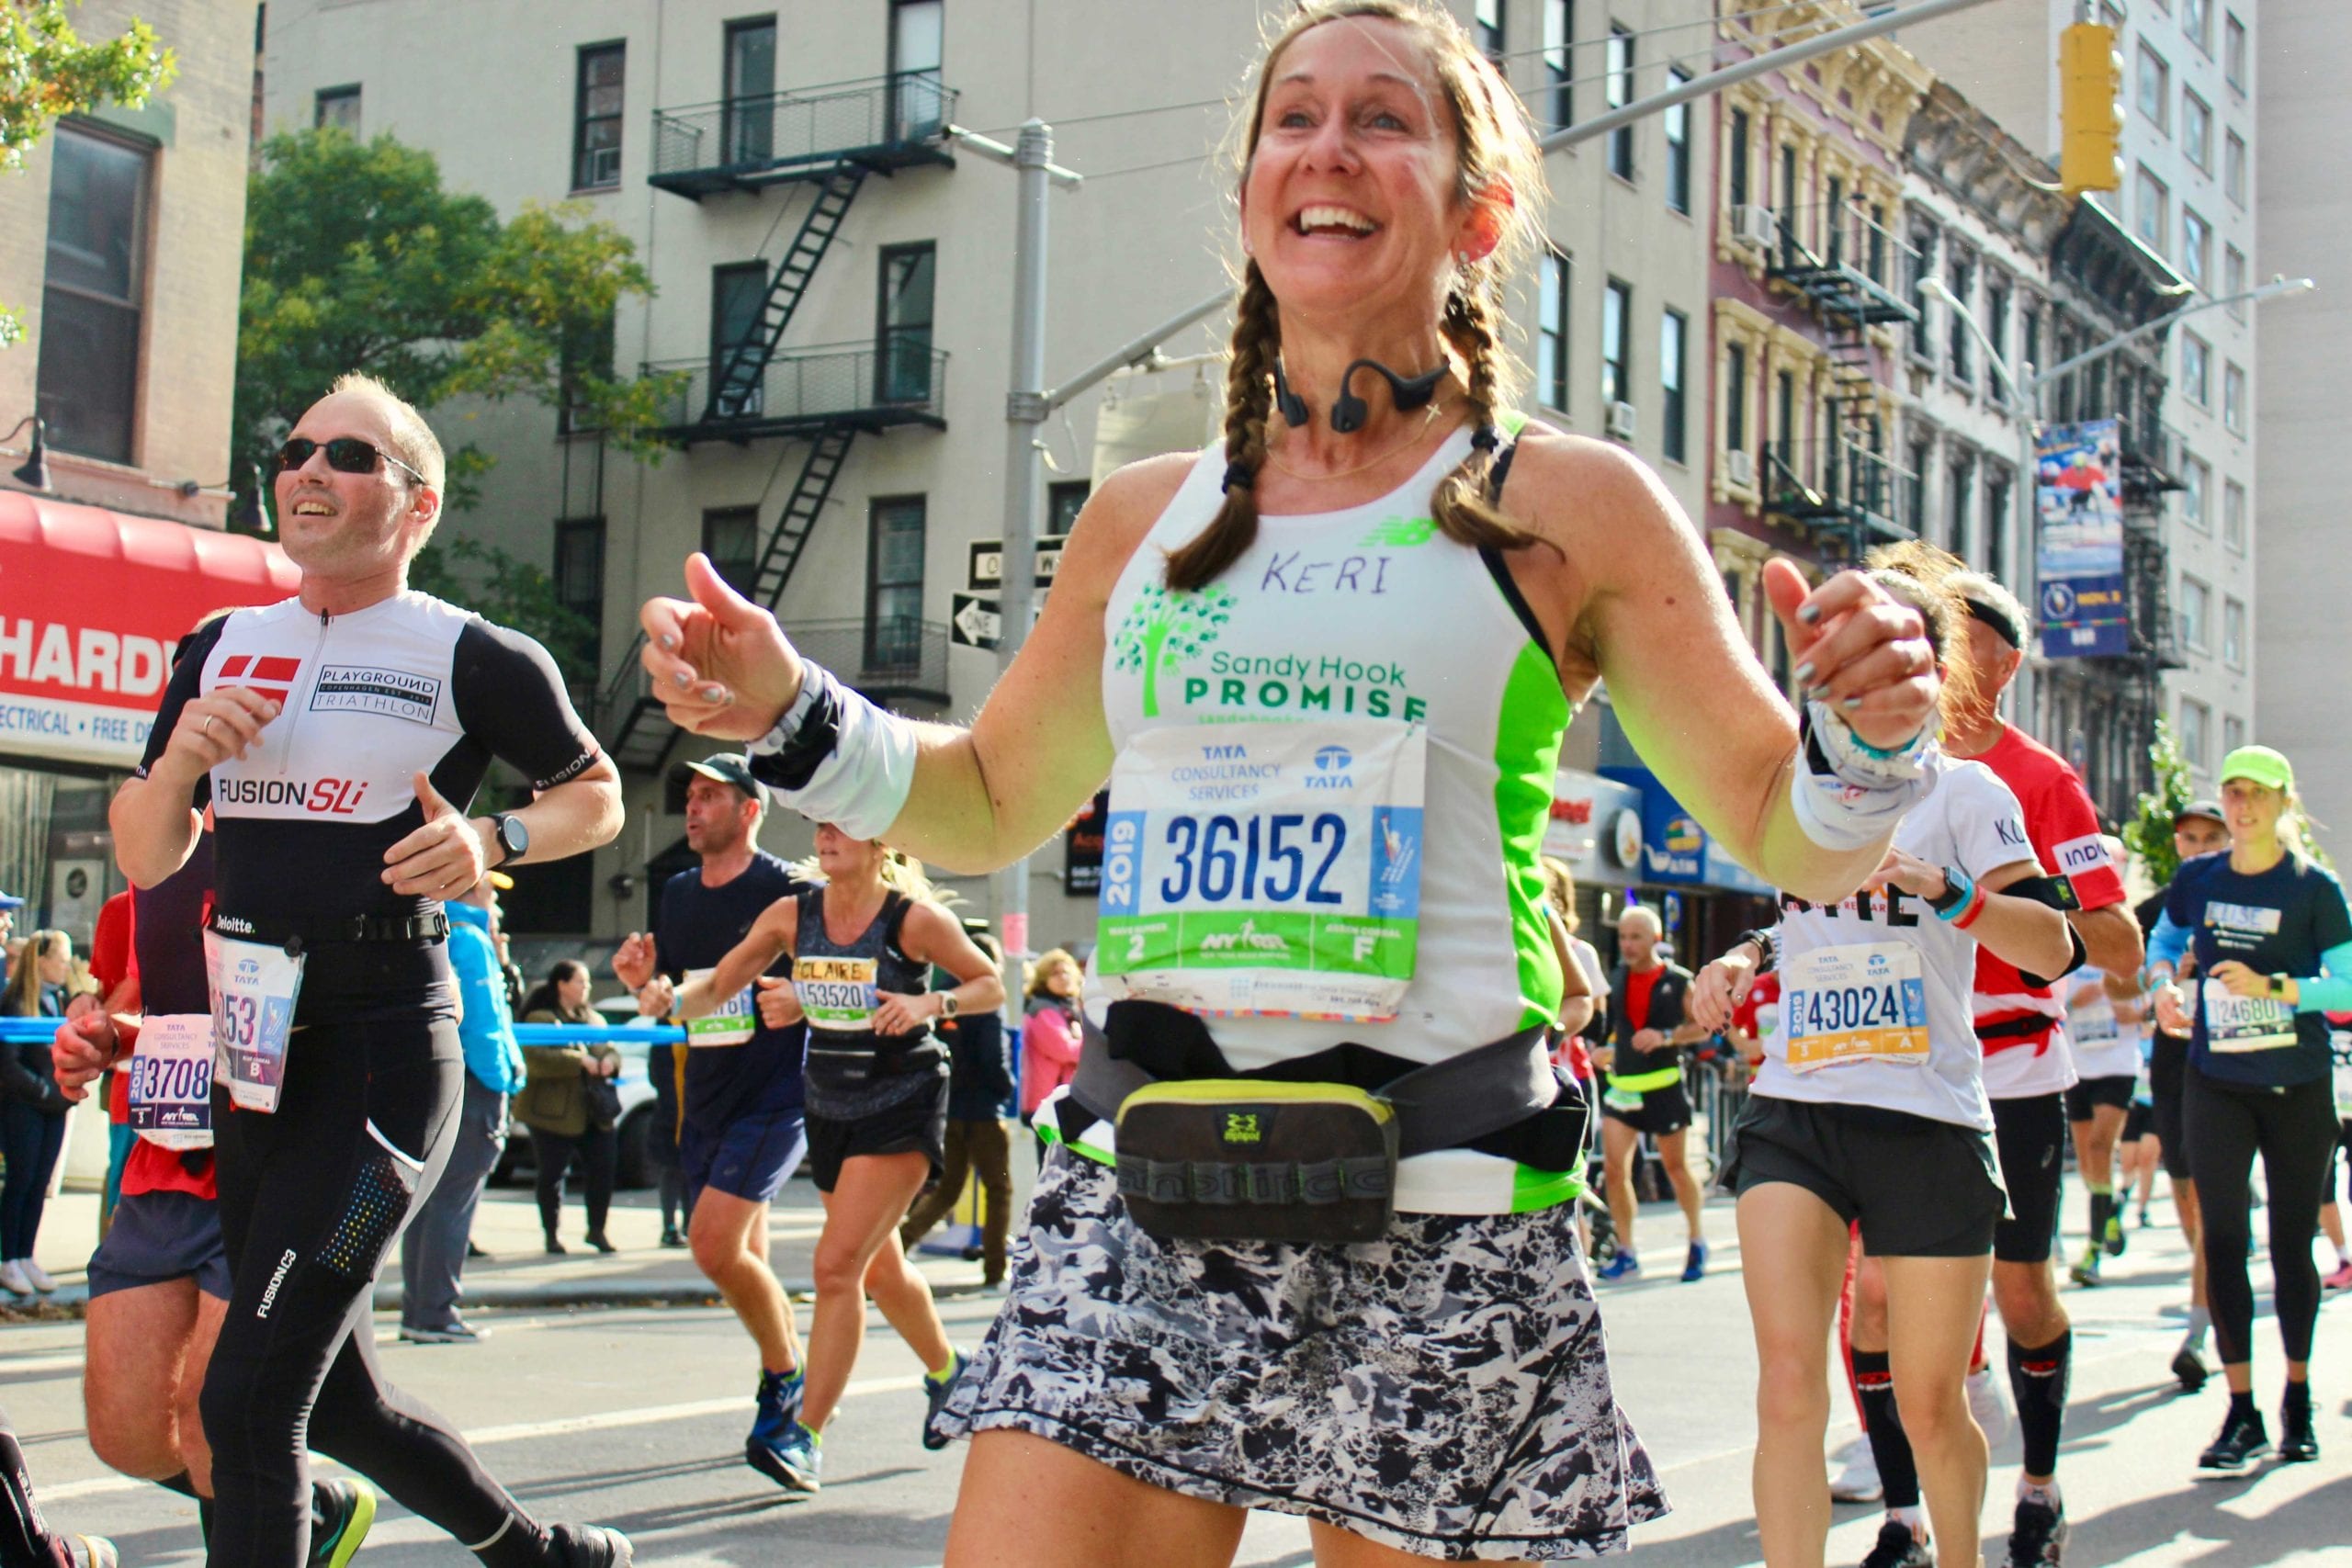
(1349, 412)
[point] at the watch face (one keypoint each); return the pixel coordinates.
(514, 835)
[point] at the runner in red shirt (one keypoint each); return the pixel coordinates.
(2027, 1065)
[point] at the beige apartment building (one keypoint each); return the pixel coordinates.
(833, 276)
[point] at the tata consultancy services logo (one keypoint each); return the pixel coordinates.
(1333, 759)
(1168, 624)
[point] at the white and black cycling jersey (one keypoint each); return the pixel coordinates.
(368, 700)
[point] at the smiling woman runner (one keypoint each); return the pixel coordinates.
(1870, 1106)
(1309, 1242)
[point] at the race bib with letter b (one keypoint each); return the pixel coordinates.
(1265, 868)
(1861, 1002)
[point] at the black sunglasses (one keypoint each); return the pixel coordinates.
(345, 454)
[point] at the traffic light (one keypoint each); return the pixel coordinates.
(2090, 113)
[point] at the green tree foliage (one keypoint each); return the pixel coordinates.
(2149, 835)
(47, 72)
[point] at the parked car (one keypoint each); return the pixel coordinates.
(637, 1106)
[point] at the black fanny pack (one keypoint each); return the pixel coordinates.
(1211, 1157)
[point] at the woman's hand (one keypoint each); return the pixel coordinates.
(1721, 986)
(1908, 872)
(720, 663)
(2172, 1009)
(2241, 981)
(1857, 651)
(896, 1014)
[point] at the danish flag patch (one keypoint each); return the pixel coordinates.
(271, 675)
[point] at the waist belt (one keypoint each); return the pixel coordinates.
(1642, 1083)
(2016, 1028)
(296, 935)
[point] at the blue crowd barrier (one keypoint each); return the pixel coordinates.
(40, 1031)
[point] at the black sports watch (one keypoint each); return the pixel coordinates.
(1956, 889)
(513, 837)
(2279, 984)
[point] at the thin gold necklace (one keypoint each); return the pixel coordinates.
(1427, 420)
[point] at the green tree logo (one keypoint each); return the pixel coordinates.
(1164, 624)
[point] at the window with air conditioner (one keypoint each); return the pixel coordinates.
(601, 73)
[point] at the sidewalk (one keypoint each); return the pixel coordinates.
(519, 1273)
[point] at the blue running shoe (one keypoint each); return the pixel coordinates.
(779, 1405)
(1624, 1266)
(791, 1461)
(1694, 1266)
(935, 1392)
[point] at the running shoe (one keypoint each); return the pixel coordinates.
(1898, 1548)
(1624, 1266)
(2243, 1440)
(2086, 1273)
(2342, 1278)
(590, 1546)
(456, 1331)
(777, 1407)
(93, 1551)
(37, 1275)
(1859, 1482)
(1985, 1403)
(935, 1391)
(12, 1279)
(2298, 1440)
(791, 1461)
(343, 1512)
(2145, 1220)
(1695, 1263)
(2037, 1537)
(2115, 1237)
(2189, 1370)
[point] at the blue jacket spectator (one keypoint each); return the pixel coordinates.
(488, 1026)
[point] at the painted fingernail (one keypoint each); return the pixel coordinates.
(682, 679)
(1850, 703)
(1804, 674)
(713, 694)
(1808, 612)
(667, 642)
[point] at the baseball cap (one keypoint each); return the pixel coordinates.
(730, 768)
(2259, 764)
(2205, 808)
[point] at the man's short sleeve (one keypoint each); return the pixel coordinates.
(1988, 826)
(110, 946)
(184, 687)
(510, 697)
(2067, 837)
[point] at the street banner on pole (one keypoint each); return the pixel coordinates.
(2079, 505)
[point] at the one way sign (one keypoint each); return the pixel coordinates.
(977, 622)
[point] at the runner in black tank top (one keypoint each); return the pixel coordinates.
(863, 946)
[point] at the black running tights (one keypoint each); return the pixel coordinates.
(2295, 1131)
(312, 1199)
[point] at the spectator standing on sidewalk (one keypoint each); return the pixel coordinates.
(1050, 1034)
(433, 1251)
(569, 1104)
(980, 1086)
(33, 1117)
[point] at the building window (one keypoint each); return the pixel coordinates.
(1961, 504)
(1559, 58)
(2234, 278)
(2196, 480)
(2233, 167)
(2234, 398)
(1493, 28)
(1961, 344)
(1064, 499)
(1996, 331)
(918, 48)
(1784, 423)
(1915, 488)
(1552, 332)
(1736, 398)
(1736, 154)
(903, 332)
(2233, 634)
(2196, 734)
(1674, 332)
(1996, 524)
(730, 537)
(2196, 247)
(2196, 613)
(337, 106)
(2156, 90)
(2155, 209)
(2028, 336)
(1616, 338)
(2234, 51)
(580, 581)
(2233, 733)
(582, 356)
(2197, 131)
(1677, 122)
(894, 583)
(747, 119)
(2195, 370)
(597, 117)
(737, 292)
(2233, 516)
(1620, 69)
(1923, 248)
(93, 294)
(2196, 21)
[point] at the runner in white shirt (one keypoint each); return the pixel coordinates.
(2105, 1023)
(1870, 1106)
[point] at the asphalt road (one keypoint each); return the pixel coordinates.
(635, 1416)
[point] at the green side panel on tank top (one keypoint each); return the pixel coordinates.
(1528, 732)
(1533, 1189)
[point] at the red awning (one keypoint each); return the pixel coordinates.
(91, 601)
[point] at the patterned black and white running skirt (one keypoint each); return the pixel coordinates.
(1444, 1392)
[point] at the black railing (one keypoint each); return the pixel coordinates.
(885, 121)
(1845, 264)
(901, 381)
(1838, 484)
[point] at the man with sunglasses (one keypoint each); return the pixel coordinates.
(338, 735)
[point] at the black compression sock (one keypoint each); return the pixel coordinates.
(2037, 1378)
(2242, 1407)
(2103, 1205)
(1899, 1472)
(2298, 1396)
(25, 1536)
